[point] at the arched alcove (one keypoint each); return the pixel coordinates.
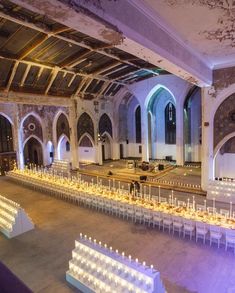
(62, 126)
(192, 125)
(106, 147)
(224, 161)
(6, 136)
(33, 151)
(105, 125)
(162, 119)
(63, 148)
(85, 125)
(86, 149)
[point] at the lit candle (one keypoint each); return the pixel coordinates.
(205, 204)
(231, 207)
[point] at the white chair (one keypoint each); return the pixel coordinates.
(224, 213)
(200, 207)
(177, 224)
(201, 231)
(211, 210)
(163, 199)
(130, 212)
(122, 210)
(188, 228)
(147, 216)
(115, 208)
(230, 239)
(215, 234)
(167, 222)
(181, 203)
(157, 219)
(138, 215)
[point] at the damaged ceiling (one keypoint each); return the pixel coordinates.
(39, 55)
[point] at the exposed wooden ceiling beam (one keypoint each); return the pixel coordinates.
(74, 59)
(101, 91)
(12, 75)
(117, 69)
(79, 87)
(25, 74)
(53, 67)
(51, 80)
(87, 85)
(127, 74)
(105, 68)
(71, 80)
(34, 46)
(30, 24)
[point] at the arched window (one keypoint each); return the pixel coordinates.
(138, 125)
(67, 146)
(6, 140)
(105, 125)
(85, 124)
(170, 124)
(62, 126)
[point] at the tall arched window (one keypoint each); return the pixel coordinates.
(85, 124)
(138, 125)
(6, 140)
(170, 124)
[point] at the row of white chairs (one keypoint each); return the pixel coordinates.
(137, 214)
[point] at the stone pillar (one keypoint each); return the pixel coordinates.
(179, 134)
(115, 146)
(144, 134)
(99, 153)
(207, 140)
(73, 136)
(18, 139)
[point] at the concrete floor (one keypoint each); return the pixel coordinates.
(40, 257)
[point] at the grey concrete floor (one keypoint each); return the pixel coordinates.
(40, 257)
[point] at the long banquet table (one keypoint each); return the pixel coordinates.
(78, 191)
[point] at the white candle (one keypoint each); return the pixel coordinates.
(109, 184)
(213, 205)
(159, 193)
(231, 207)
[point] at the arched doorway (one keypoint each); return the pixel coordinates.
(33, 153)
(7, 154)
(224, 161)
(50, 152)
(63, 149)
(106, 147)
(162, 124)
(192, 126)
(86, 149)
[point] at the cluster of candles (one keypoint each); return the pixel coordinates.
(145, 193)
(100, 267)
(8, 210)
(180, 184)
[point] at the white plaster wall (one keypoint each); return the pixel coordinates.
(225, 165)
(133, 150)
(87, 154)
(63, 154)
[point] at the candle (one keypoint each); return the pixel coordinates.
(109, 184)
(97, 180)
(205, 205)
(159, 193)
(149, 191)
(230, 211)
(188, 203)
(213, 206)
(119, 183)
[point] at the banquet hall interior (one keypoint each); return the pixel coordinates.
(117, 146)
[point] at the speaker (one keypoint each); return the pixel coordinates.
(127, 141)
(168, 158)
(51, 154)
(143, 178)
(160, 167)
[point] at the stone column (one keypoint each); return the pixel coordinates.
(144, 134)
(73, 136)
(99, 153)
(18, 138)
(207, 140)
(179, 134)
